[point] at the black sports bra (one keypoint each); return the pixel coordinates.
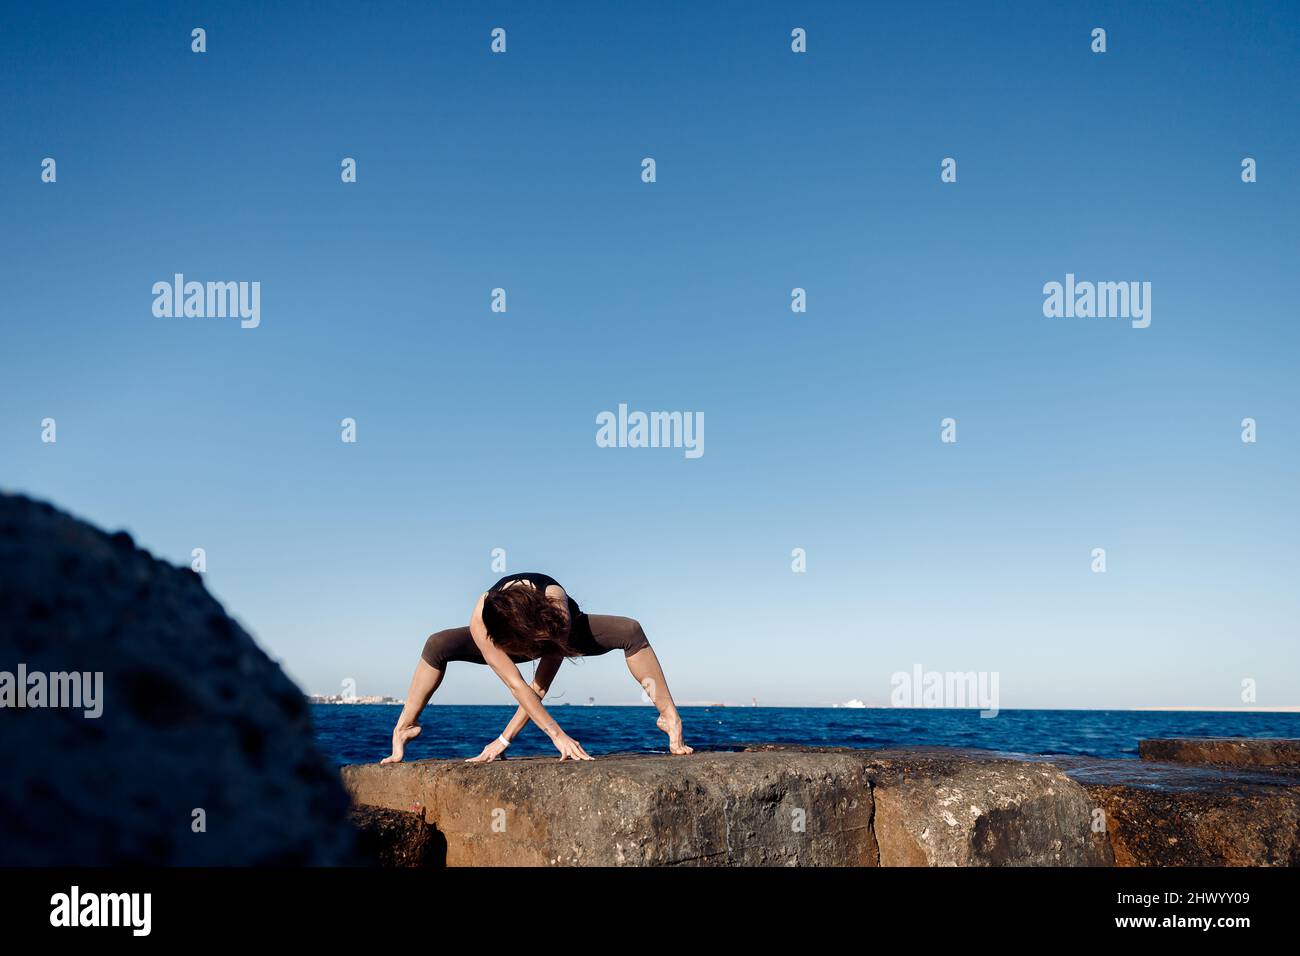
(541, 582)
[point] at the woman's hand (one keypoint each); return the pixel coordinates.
(491, 752)
(569, 748)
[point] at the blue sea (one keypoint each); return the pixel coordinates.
(361, 733)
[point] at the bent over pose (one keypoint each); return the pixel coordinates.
(526, 617)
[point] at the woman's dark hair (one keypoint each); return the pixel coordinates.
(523, 621)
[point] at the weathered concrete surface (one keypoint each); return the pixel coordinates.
(766, 806)
(195, 716)
(926, 806)
(948, 807)
(1171, 814)
(1224, 751)
(395, 838)
(709, 809)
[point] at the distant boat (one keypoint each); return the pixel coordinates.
(855, 704)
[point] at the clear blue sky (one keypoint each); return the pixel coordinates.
(775, 170)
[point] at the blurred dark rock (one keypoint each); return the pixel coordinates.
(195, 716)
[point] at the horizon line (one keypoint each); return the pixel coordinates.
(1282, 709)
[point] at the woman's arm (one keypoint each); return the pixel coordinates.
(541, 683)
(505, 668)
(547, 668)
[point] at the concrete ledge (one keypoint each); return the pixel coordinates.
(949, 807)
(788, 806)
(1225, 751)
(710, 809)
(1172, 814)
(766, 806)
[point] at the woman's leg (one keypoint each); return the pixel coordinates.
(644, 666)
(423, 684)
(625, 633)
(455, 644)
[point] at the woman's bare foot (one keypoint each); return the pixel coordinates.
(671, 724)
(400, 737)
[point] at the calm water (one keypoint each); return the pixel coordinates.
(360, 733)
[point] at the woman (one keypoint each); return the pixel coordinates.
(525, 617)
